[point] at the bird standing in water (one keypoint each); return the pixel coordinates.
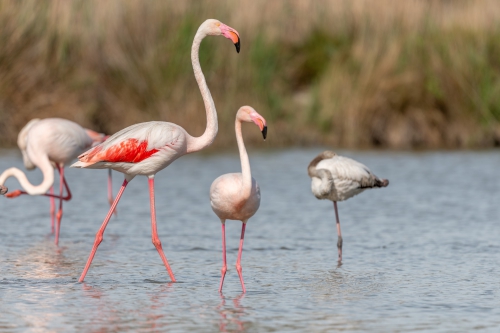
(146, 148)
(47, 144)
(339, 178)
(236, 196)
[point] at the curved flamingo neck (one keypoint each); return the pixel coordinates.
(48, 179)
(245, 163)
(199, 143)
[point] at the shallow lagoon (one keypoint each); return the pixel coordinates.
(422, 254)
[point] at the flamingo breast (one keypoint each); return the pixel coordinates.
(227, 202)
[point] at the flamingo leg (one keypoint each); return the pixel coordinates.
(68, 195)
(100, 233)
(154, 232)
(238, 262)
(52, 210)
(110, 191)
(339, 232)
(60, 211)
(224, 265)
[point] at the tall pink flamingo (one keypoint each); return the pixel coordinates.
(146, 148)
(339, 178)
(236, 196)
(47, 144)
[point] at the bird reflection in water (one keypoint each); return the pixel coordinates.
(155, 316)
(105, 316)
(43, 261)
(110, 317)
(91, 291)
(231, 316)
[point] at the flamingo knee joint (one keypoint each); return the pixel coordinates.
(156, 242)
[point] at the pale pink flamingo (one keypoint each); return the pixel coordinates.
(47, 144)
(22, 143)
(146, 148)
(236, 196)
(339, 178)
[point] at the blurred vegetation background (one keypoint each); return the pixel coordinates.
(345, 73)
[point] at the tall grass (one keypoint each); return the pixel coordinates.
(361, 73)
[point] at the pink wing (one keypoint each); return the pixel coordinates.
(133, 144)
(129, 150)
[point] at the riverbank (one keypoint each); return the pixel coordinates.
(352, 74)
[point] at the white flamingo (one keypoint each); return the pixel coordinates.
(146, 148)
(339, 178)
(236, 196)
(47, 144)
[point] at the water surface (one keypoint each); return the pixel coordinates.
(420, 255)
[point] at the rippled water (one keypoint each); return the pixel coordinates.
(422, 254)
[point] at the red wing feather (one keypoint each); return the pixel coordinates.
(129, 151)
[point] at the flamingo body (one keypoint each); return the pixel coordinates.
(339, 178)
(226, 201)
(348, 178)
(60, 140)
(45, 143)
(140, 149)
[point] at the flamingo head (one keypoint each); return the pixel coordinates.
(249, 115)
(216, 28)
(328, 154)
(3, 190)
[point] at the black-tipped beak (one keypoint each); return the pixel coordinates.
(264, 132)
(237, 44)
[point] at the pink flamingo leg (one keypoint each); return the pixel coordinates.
(224, 266)
(238, 262)
(339, 233)
(52, 210)
(110, 191)
(154, 232)
(100, 233)
(68, 195)
(60, 211)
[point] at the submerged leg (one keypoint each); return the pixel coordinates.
(238, 262)
(154, 232)
(52, 209)
(339, 233)
(60, 211)
(224, 265)
(100, 233)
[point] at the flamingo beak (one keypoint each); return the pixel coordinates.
(3, 190)
(231, 34)
(237, 44)
(261, 122)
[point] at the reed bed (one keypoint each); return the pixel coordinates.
(386, 73)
